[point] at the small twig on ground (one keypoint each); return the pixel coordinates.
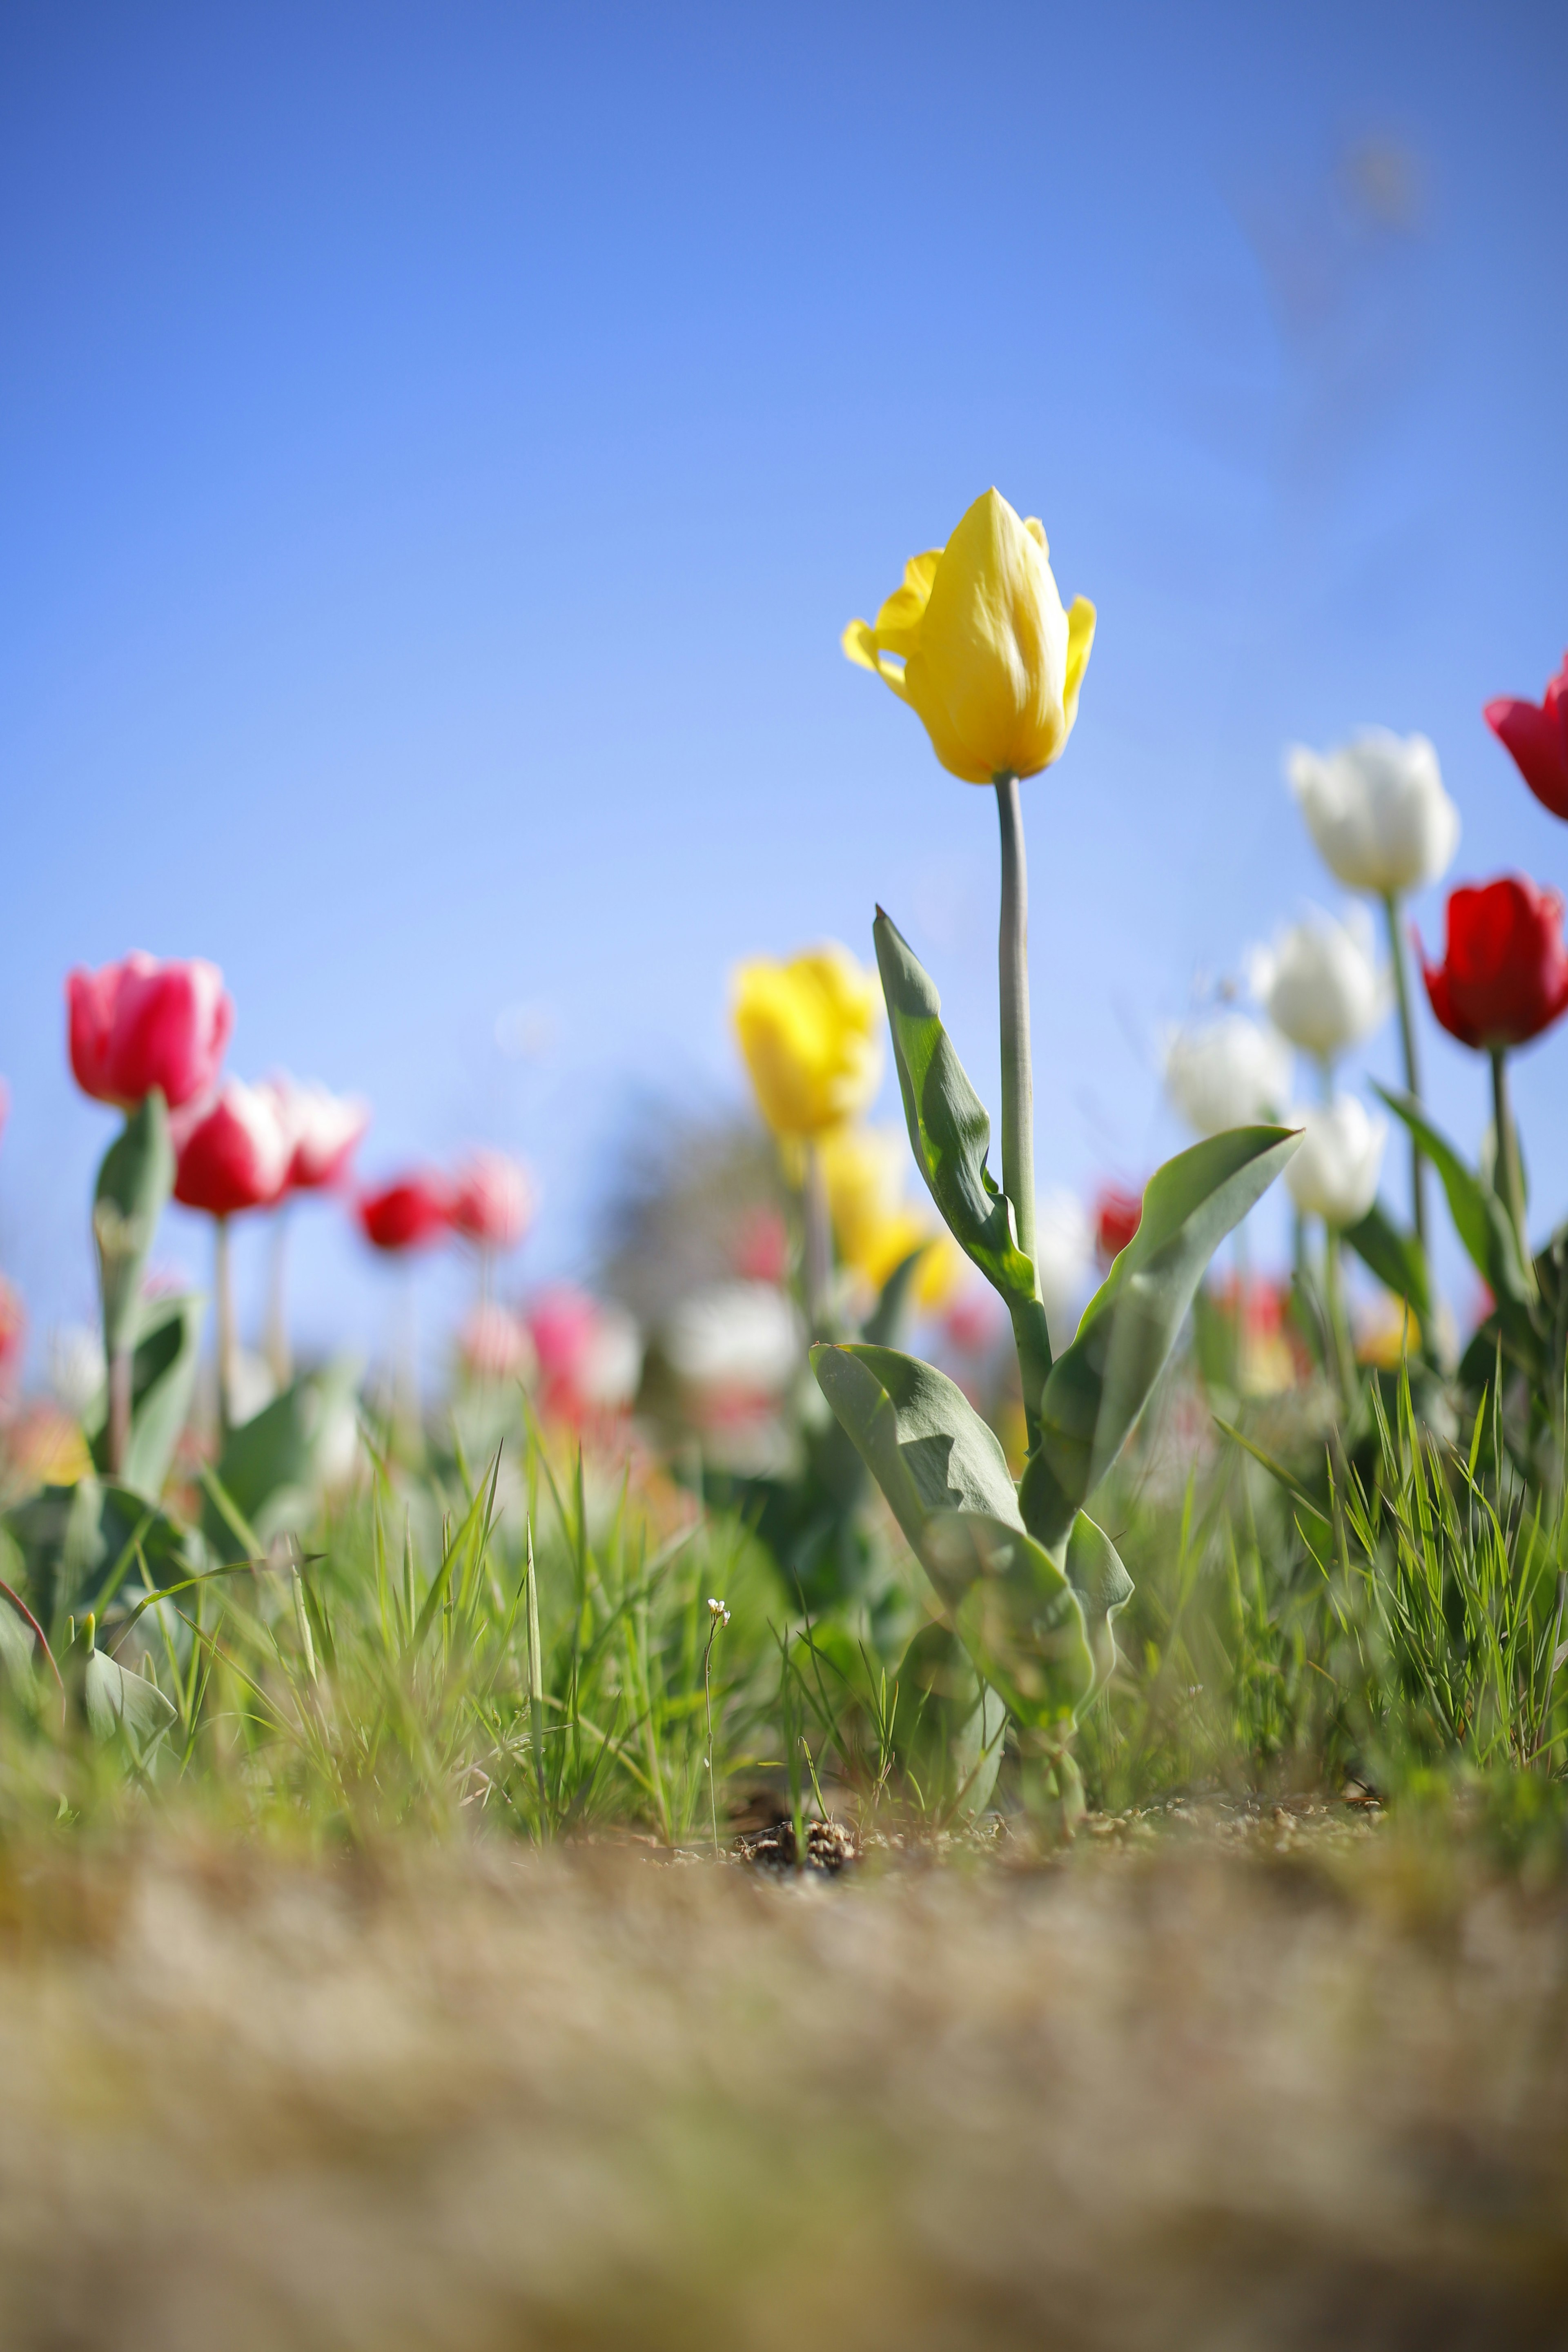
(717, 1617)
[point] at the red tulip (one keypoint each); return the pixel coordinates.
(1537, 735)
(408, 1214)
(1504, 977)
(492, 1201)
(322, 1127)
(141, 1024)
(233, 1155)
(1117, 1215)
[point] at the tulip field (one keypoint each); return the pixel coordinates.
(883, 1528)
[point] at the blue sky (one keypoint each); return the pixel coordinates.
(439, 448)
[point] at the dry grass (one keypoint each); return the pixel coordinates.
(1196, 2097)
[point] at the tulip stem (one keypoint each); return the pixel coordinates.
(223, 1285)
(120, 1373)
(1509, 1169)
(1338, 1328)
(1411, 1068)
(279, 1358)
(1018, 1068)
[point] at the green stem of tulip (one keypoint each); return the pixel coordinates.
(118, 1436)
(1412, 1069)
(1339, 1329)
(223, 1285)
(1018, 1068)
(279, 1357)
(1510, 1171)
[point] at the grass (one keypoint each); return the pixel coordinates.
(512, 1632)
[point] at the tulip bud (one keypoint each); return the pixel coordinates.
(1227, 1072)
(1377, 810)
(323, 1130)
(1320, 983)
(408, 1214)
(1537, 735)
(1504, 975)
(235, 1156)
(976, 642)
(1334, 1171)
(141, 1024)
(1117, 1217)
(590, 1354)
(810, 1033)
(493, 1201)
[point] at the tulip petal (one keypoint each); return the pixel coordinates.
(859, 645)
(993, 648)
(1081, 618)
(1036, 531)
(899, 621)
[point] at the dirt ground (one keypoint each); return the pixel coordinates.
(1273, 2082)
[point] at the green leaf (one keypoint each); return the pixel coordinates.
(886, 1318)
(81, 1544)
(1398, 1261)
(134, 1180)
(1097, 1387)
(1015, 1613)
(950, 1133)
(118, 1701)
(948, 1725)
(1483, 1225)
(1103, 1587)
(162, 1376)
(918, 1434)
(271, 1464)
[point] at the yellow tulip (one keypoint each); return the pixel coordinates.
(977, 644)
(864, 1169)
(810, 1031)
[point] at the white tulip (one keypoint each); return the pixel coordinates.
(75, 1368)
(1377, 810)
(740, 1335)
(612, 1360)
(1064, 1259)
(1320, 983)
(1334, 1171)
(1227, 1072)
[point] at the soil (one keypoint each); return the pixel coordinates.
(1227, 2075)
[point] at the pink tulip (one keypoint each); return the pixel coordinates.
(13, 1343)
(141, 1024)
(323, 1127)
(233, 1155)
(493, 1201)
(590, 1356)
(410, 1213)
(494, 1345)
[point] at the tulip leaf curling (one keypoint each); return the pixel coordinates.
(950, 1134)
(134, 1181)
(1097, 1388)
(1036, 1624)
(948, 1725)
(165, 1348)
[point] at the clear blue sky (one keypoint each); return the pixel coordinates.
(440, 448)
